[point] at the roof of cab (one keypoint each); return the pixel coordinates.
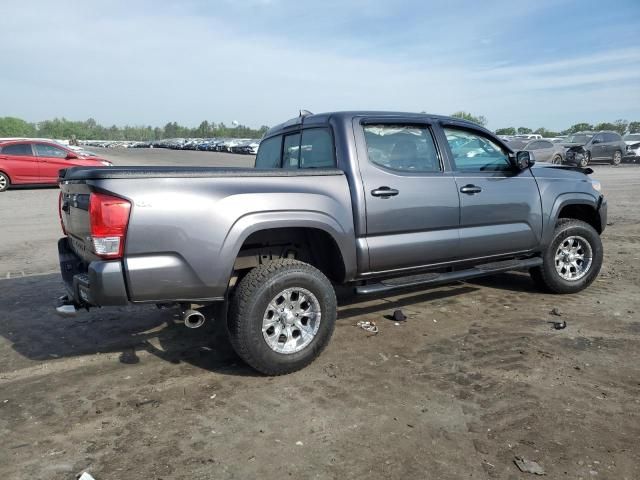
(318, 119)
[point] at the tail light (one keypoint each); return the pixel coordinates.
(60, 199)
(109, 217)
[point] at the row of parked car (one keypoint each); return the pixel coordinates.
(247, 146)
(580, 148)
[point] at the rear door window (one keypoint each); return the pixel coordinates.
(269, 153)
(17, 149)
(316, 149)
(403, 148)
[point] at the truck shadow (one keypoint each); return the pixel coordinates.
(31, 328)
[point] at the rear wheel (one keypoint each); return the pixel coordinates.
(572, 260)
(5, 183)
(617, 158)
(282, 316)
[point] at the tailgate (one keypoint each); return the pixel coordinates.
(74, 212)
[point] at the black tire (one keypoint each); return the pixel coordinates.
(5, 182)
(586, 158)
(617, 158)
(557, 160)
(250, 301)
(548, 278)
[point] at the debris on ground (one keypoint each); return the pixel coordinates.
(368, 326)
(85, 476)
(528, 466)
(556, 311)
(559, 325)
(398, 316)
(299, 443)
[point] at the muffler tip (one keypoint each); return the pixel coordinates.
(193, 319)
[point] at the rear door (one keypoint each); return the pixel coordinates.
(598, 147)
(412, 204)
(52, 159)
(500, 209)
(19, 162)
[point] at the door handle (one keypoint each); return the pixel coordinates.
(384, 192)
(470, 189)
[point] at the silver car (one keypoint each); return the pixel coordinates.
(546, 151)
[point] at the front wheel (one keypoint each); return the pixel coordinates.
(557, 160)
(5, 183)
(586, 158)
(617, 158)
(282, 316)
(572, 260)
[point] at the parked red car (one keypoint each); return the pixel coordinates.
(26, 162)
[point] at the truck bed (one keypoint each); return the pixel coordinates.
(105, 173)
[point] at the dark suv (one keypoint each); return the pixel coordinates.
(584, 147)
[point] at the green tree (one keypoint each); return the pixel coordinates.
(16, 127)
(480, 120)
(524, 130)
(506, 131)
(578, 127)
(621, 126)
(634, 127)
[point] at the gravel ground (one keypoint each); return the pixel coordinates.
(475, 377)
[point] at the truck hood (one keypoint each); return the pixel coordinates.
(548, 170)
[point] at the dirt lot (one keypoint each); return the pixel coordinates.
(475, 377)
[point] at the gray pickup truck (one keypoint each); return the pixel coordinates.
(377, 201)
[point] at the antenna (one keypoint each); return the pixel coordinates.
(305, 113)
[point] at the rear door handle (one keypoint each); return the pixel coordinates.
(384, 192)
(470, 189)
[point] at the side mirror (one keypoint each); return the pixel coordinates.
(594, 141)
(71, 156)
(524, 159)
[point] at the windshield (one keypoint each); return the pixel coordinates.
(578, 138)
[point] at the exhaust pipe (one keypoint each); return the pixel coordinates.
(193, 318)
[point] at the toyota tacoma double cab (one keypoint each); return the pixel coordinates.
(376, 201)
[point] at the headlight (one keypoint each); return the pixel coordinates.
(107, 164)
(596, 185)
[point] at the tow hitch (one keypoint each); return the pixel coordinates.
(66, 307)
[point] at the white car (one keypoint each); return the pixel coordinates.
(633, 147)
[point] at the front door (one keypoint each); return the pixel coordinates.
(52, 160)
(598, 148)
(412, 205)
(500, 210)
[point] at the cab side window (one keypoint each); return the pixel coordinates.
(474, 152)
(403, 148)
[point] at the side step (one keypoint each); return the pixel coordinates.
(448, 277)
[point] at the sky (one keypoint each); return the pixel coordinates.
(518, 63)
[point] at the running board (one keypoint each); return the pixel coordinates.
(448, 277)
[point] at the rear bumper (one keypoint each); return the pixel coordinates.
(99, 283)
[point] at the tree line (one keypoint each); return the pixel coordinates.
(620, 126)
(62, 128)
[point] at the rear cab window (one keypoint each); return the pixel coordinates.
(306, 149)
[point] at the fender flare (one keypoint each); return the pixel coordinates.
(248, 224)
(563, 200)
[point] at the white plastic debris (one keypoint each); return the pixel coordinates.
(86, 476)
